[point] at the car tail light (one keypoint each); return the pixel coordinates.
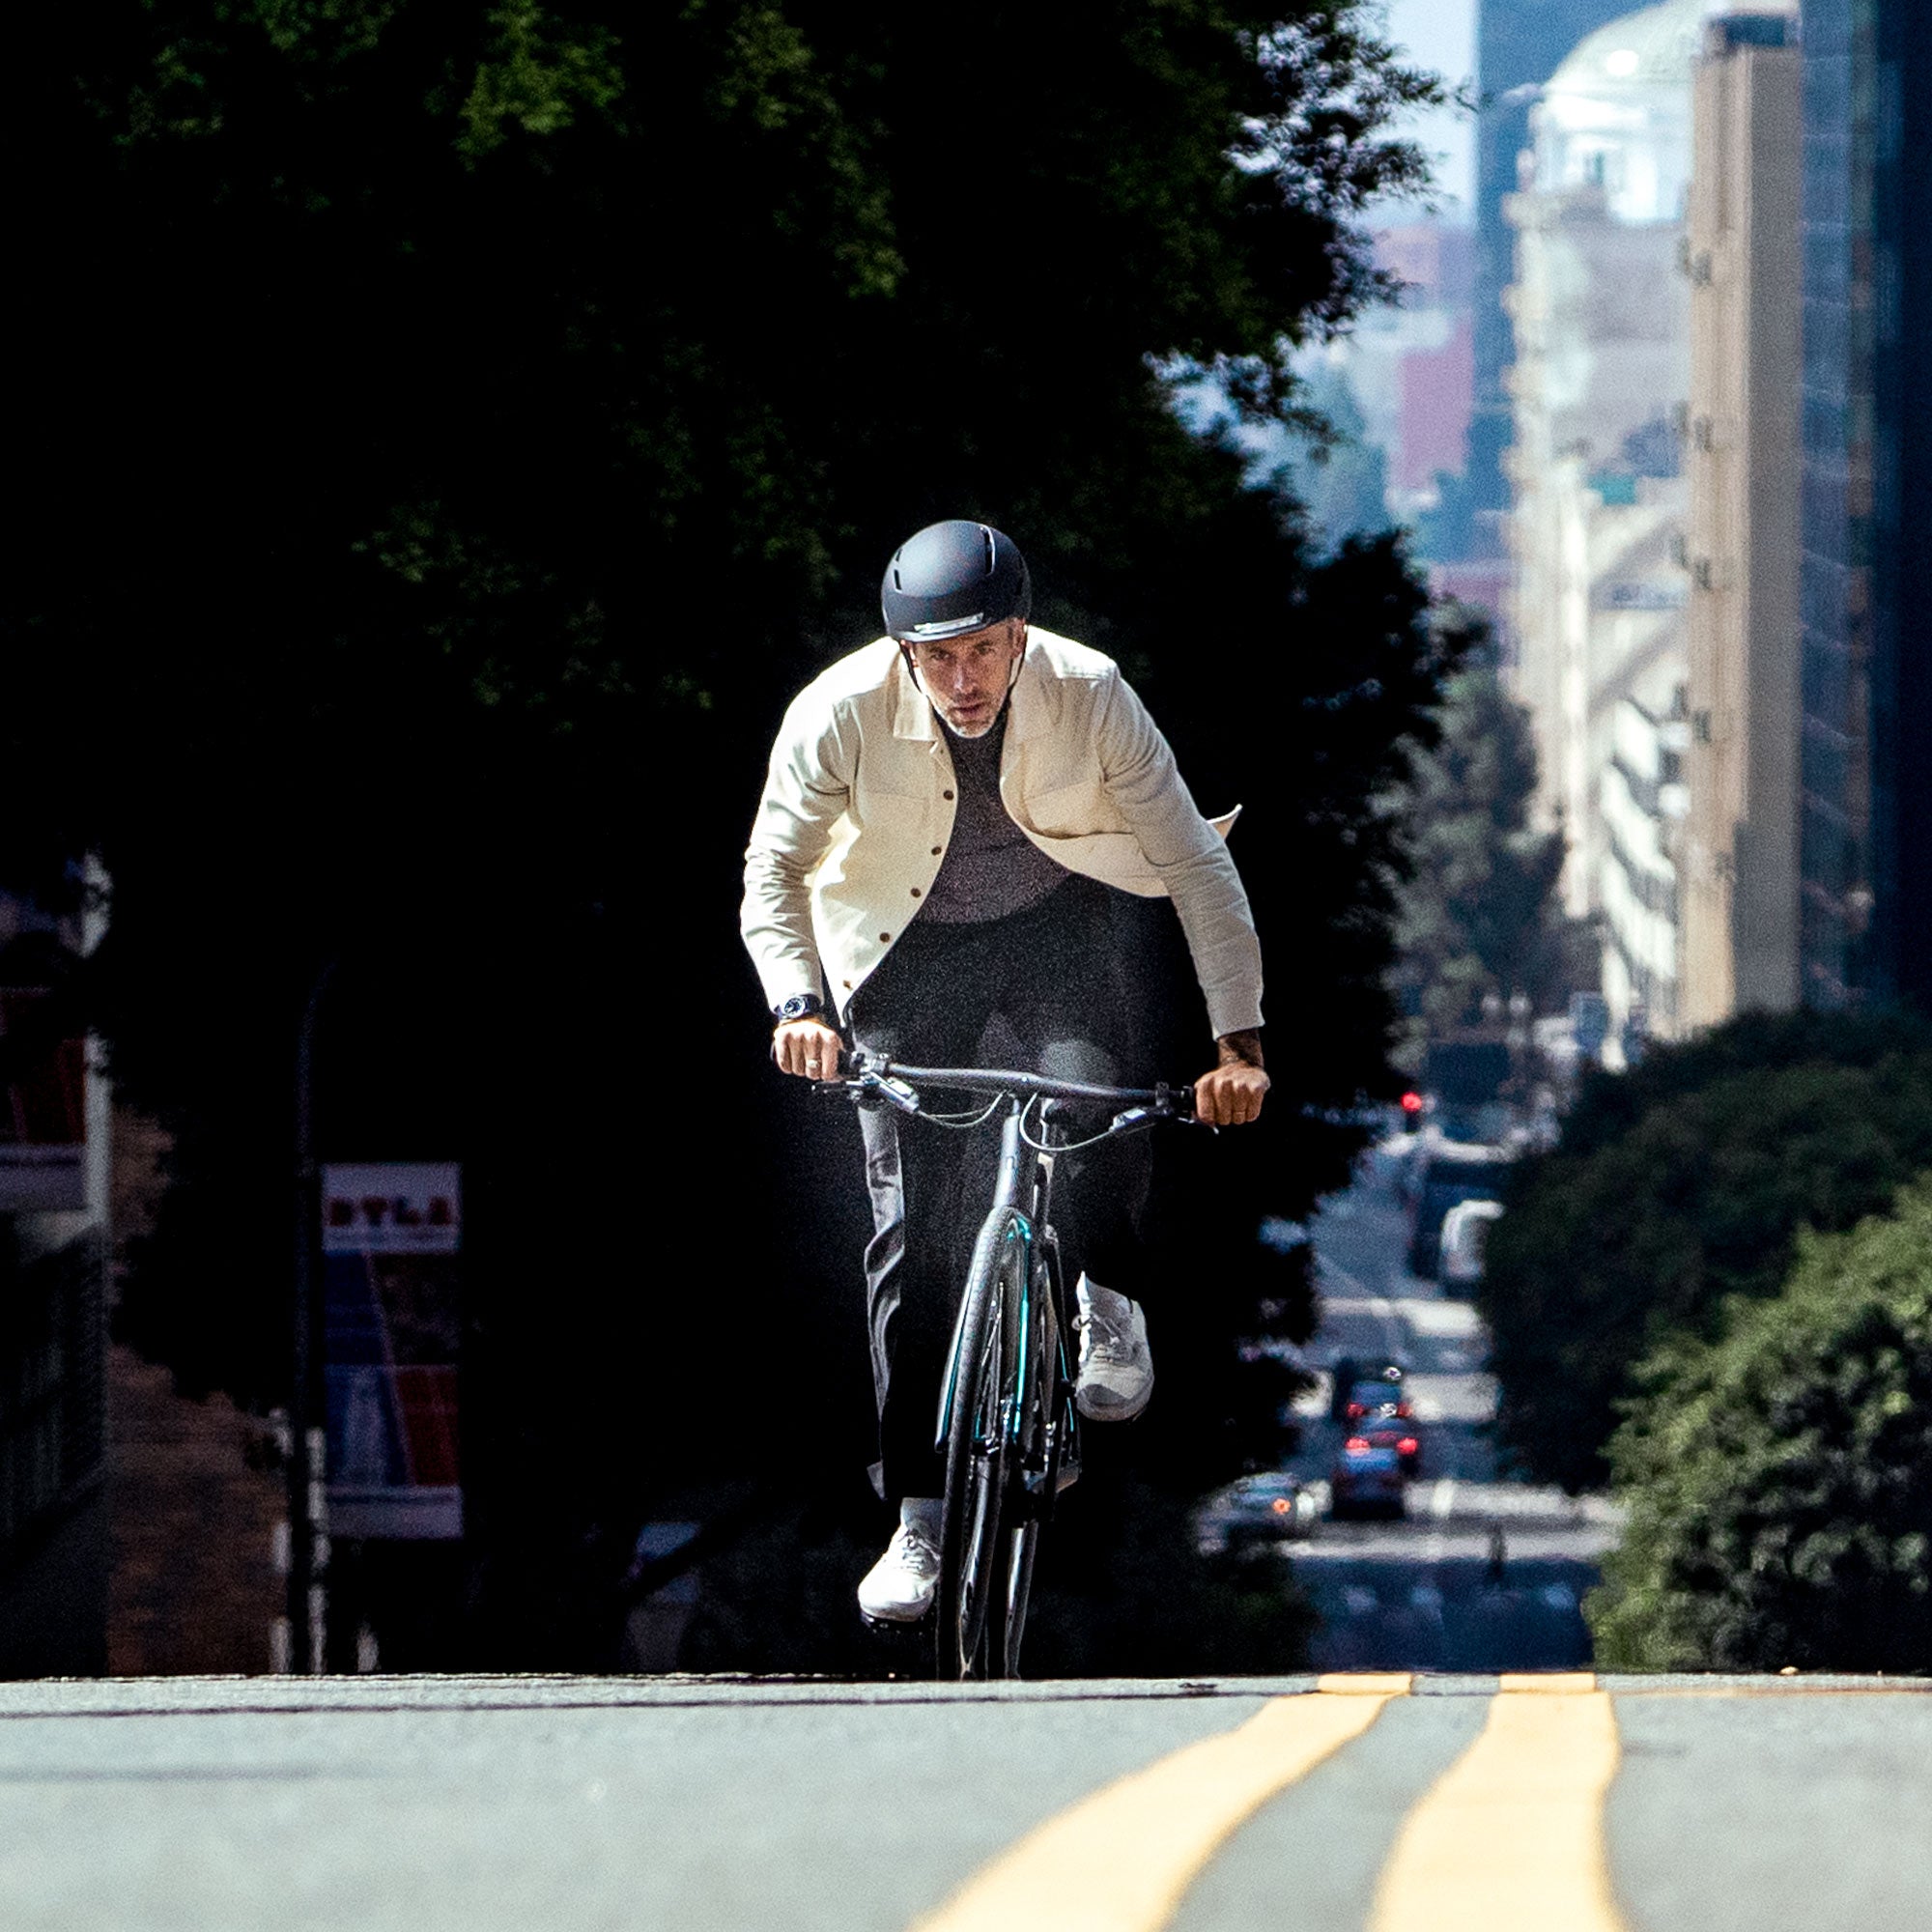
(1356, 1442)
(1407, 1446)
(1403, 1409)
(1280, 1506)
(1355, 1408)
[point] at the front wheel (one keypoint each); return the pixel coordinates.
(1006, 1625)
(1032, 1472)
(971, 1572)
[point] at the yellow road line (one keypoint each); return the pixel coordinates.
(1365, 1682)
(1511, 1837)
(1119, 1860)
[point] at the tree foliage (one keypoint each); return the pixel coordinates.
(455, 433)
(1480, 921)
(1779, 1477)
(1676, 1188)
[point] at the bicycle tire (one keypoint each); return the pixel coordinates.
(1035, 1379)
(975, 1454)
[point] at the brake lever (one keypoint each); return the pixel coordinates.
(875, 1089)
(1176, 1104)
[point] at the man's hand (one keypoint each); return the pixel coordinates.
(1230, 1095)
(809, 1048)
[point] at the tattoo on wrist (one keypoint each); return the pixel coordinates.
(1240, 1049)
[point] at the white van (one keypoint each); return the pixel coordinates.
(1466, 1233)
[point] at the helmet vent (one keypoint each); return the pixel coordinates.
(896, 583)
(990, 557)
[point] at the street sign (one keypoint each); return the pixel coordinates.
(391, 1239)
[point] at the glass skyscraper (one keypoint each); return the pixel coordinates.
(1865, 858)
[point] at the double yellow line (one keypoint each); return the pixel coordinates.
(1511, 1836)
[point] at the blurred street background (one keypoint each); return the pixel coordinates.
(1480, 1572)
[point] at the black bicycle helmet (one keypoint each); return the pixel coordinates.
(953, 578)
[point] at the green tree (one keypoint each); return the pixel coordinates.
(1778, 1478)
(1676, 1188)
(1480, 923)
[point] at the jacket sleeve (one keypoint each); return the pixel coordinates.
(1141, 778)
(808, 788)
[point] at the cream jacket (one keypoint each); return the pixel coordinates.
(859, 804)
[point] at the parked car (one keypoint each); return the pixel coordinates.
(1367, 1481)
(1389, 1431)
(1350, 1372)
(1466, 1233)
(1272, 1507)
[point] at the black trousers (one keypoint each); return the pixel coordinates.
(1041, 990)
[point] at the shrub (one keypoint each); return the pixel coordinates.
(1780, 1478)
(1676, 1188)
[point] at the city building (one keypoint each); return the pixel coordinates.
(1433, 374)
(1599, 389)
(54, 1328)
(1739, 859)
(1407, 364)
(1865, 851)
(1520, 43)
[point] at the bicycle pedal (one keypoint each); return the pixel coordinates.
(896, 1627)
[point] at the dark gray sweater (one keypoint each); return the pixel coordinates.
(992, 868)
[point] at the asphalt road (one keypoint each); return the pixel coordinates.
(522, 1806)
(1484, 1573)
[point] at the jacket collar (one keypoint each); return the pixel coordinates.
(912, 710)
(1034, 703)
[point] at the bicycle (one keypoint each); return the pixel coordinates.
(1007, 1422)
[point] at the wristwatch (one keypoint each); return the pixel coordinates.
(800, 1007)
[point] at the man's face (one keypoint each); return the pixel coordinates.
(967, 676)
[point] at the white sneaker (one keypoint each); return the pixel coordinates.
(1115, 1364)
(898, 1588)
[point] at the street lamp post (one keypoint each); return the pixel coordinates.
(308, 1544)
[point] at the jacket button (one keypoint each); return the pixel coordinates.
(846, 983)
(885, 939)
(914, 892)
(945, 794)
(935, 851)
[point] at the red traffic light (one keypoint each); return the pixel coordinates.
(1411, 1102)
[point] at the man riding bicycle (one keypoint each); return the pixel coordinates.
(947, 815)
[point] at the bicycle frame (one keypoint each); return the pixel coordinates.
(1023, 1184)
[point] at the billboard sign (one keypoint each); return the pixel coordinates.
(391, 1245)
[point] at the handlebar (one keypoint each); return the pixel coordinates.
(898, 1086)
